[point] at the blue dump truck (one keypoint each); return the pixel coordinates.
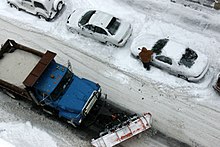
(27, 73)
(32, 75)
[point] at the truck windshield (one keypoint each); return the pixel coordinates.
(66, 80)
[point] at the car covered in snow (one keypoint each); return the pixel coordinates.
(172, 56)
(100, 26)
(46, 9)
(217, 85)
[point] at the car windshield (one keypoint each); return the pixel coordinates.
(159, 45)
(61, 87)
(86, 17)
(188, 58)
(113, 25)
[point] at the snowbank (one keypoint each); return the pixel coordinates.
(24, 135)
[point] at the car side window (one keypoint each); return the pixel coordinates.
(90, 27)
(39, 5)
(27, 0)
(164, 59)
(100, 31)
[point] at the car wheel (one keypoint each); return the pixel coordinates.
(59, 6)
(14, 6)
(40, 16)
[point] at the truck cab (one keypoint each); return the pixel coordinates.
(54, 85)
(46, 9)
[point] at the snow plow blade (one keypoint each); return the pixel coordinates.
(134, 126)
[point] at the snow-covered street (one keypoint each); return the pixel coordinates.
(189, 112)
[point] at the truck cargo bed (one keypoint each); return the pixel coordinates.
(16, 66)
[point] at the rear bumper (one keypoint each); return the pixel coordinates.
(196, 79)
(126, 37)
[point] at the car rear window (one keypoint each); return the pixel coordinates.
(113, 25)
(39, 5)
(86, 17)
(188, 58)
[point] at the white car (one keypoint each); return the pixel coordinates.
(99, 25)
(173, 57)
(46, 9)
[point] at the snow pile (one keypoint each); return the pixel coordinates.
(4, 143)
(24, 135)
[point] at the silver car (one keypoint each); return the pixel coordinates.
(99, 25)
(173, 57)
(46, 9)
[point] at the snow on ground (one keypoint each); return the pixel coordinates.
(5, 143)
(197, 29)
(25, 135)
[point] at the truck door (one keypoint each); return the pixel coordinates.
(28, 5)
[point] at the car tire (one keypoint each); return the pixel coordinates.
(59, 6)
(183, 77)
(40, 16)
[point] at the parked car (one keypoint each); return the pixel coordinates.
(173, 57)
(99, 25)
(46, 9)
(217, 85)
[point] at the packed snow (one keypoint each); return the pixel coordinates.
(22, 63)
(25, 135)
(186, 111)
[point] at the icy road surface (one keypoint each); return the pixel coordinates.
(186, 111)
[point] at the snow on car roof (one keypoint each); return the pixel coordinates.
(173, 50)
(100, 19)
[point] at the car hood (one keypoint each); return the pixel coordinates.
(75, 17)
(76, 96)
(143, 40)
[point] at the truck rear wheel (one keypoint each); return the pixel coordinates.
(12, 95)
